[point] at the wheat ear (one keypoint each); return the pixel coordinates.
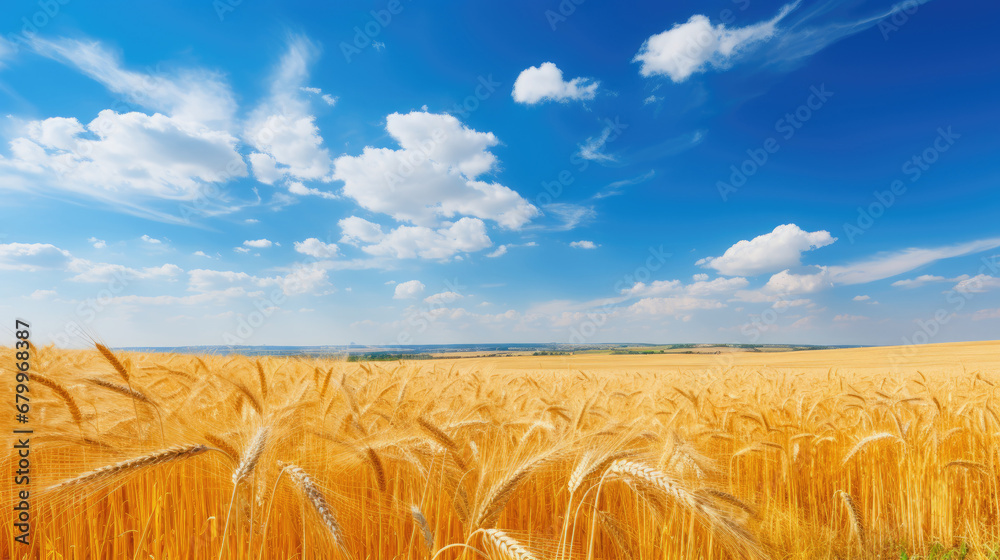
(319, 503)
(855, 514)
(58, 389)
(251, 456)
(421, 522)
(507, 545)
(262, 379)
(132, 465)
(113, 360)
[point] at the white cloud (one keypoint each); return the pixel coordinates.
(657, 287)
(789, 303)
(925, 279)
(545, 83)
(282, 129)
(258, 243)
(672, 305)
(888, 265)
(32, 256)
(316, 248)
(571, 215)
(786, 282)
(121, 158)
(978, 284)
(97, 243)
(298, 188)
(198, 97)
(202, 254)
(984, 314)
(593, 148)
(780, 249)
(689, 48)
(467, 235)
(151, 240)
(433, 175)
(651, 99)
(499, 252)
(106, 272)
(861, 298)
(357, 230)
(846, 318)
(326, 97)
(42, 295)
(408, 290)
(583, 244)
(443, 298)
(307, 279)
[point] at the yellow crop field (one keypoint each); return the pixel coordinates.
(855, 453)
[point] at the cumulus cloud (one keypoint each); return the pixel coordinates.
(41, 295)
(97, 243)
(786, 282)
(546, 83)
(357, 230)
(583, 244)
(433, 176)
(978, 284)
(32, 256)
(258, 243)
(316, 248)
(443, 298)
(408, 290)
(151, 240)
(117, 157)
(691, 47)
(106, 272)
(672, 305)
(467, 235)
(306, 279)
(282, 130)
(780, 249)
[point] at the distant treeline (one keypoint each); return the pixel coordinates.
(386, 357)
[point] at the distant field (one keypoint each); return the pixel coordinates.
(852, 453)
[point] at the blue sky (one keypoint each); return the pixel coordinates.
(404, 172)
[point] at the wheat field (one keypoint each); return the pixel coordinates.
(859, 453)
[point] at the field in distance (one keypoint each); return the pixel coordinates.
(844, 453)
